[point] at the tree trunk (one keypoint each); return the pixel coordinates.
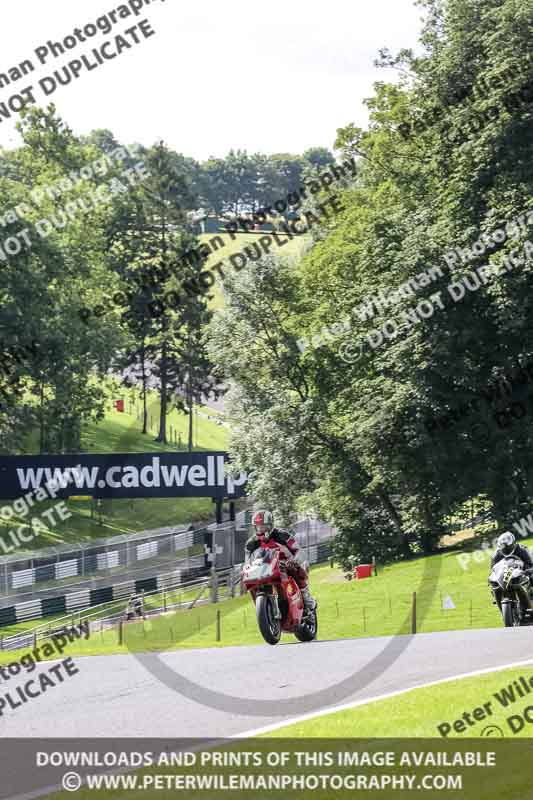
(427, 540)
(41, 420)
(145, 409)
(144, 388)
(162, 436)
(430, 535)
(61, 435)
(191, 419)
(74, 438)
(397, 522)
(190, 445)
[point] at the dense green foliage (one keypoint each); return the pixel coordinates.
(242, 182)
(40, 288)
(447, 158)
(119, 254)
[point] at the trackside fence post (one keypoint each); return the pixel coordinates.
(413, 614)
(214, 587)
(218, 625)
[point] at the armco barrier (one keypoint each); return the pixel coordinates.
(106, 615)
(36, 575)
(78, 601)
(25, 573)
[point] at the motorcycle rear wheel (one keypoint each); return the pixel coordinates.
(509, 614)
(269, 626)
(308, 631)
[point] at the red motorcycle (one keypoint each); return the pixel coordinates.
(278, 601)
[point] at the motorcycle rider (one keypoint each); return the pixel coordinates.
(508, 547)
(263, 523)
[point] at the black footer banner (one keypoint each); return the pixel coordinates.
(314, 769)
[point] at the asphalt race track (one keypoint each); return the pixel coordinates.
(116, 695)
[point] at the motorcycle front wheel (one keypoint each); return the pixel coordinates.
(269, 626)
(510, 615)
(308, 631)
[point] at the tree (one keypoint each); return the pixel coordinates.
(198, 378)
(40, 289)
(280, 404)
(288, 170)
(149, 238)
(446, 159)
(319, 156)
(213, 185)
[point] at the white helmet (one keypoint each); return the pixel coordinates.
(263, 523)
(507, 543)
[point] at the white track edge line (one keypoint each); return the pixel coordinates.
(366, 701)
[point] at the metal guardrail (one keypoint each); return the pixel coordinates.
(97, 614)
(96, 582)
(24, 574)
(182, 550)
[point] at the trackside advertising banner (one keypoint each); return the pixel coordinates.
(200, 474)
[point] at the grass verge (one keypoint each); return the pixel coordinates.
(480, 706)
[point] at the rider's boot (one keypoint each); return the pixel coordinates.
(527, 605)
(309, 601)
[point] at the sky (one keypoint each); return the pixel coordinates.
(270, 78)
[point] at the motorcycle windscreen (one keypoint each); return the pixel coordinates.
(260, 566)
(500, 570)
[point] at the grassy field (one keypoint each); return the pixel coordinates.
(435, 711)
(377, 606)
(122, 432)
(292, 250)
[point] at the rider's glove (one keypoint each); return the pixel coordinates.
(292, 565)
